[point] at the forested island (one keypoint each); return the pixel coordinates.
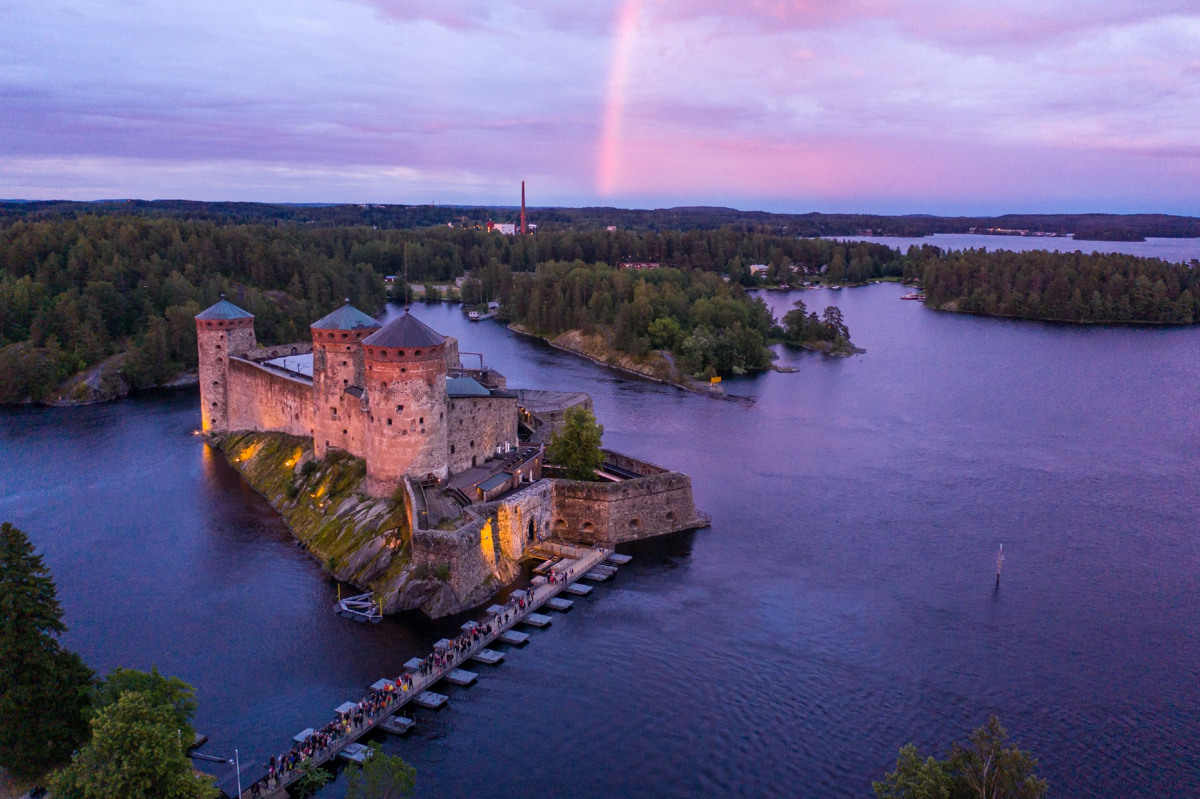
(93, 305)
(1070, 287)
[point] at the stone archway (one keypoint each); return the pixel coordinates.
(532, 530)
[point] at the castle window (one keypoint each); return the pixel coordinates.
(418, 352)
(399, 408)
(345, 335)
(404, 370)
(215, 383)
(451, 449)
(422, 420)
(389, 422)
(441, 415)
(343, 363)
(343, 432)
(214, 404)
(403, 432)
(634, 524)
(670, 515)
(345, 382)
(333, 412)
(400, 353)
(385, 385)
(472, 445)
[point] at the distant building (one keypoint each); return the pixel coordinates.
(503, 228)
(640, 265)
(389, 279)
(611, 228)
(758, 269)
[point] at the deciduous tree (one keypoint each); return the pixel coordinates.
(576, 447)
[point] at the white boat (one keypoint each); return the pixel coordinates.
(361, 608)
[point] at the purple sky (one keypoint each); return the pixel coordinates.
(913, 106)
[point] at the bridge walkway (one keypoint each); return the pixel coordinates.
(381, 705)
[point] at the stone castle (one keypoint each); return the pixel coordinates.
(464, 451)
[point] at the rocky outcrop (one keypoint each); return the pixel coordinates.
(358, 539)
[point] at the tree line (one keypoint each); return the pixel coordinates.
(1083, 226)
(1068, 286)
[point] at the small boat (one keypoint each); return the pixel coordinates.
(914, 296)
(361, 608)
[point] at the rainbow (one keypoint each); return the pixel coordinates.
(614, 104)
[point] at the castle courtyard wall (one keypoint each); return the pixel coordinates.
(262, 399)
(477, 425)
(612, 513)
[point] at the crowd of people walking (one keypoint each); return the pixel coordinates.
(379, 704)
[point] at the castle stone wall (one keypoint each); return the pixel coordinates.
(611, 513)
(465, 556)
(262, 399)
(339, 416)
(217, 340)
(406, 424)
(477, 425)
(522, 518)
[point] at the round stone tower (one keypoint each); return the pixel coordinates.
(221, 331)
(338, 379)
(406, 390)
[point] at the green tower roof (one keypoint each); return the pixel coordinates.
(224, 309)
(347, 317)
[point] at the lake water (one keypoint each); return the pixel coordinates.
(1174, 250)
(841, 605)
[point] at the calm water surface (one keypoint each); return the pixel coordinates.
(841, 605)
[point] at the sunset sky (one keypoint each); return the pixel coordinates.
(890, 106)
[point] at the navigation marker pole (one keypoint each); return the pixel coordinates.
(999, 563)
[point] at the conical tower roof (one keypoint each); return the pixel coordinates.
(347, 317)
(224, 309)
(405, 330)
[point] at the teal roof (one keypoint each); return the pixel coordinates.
(347, 317)
(465, 387)
(224, 309)
(495, 481)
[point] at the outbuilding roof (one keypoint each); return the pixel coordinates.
(405, 330)
(224, 309)
(347, 317)
(465, 387)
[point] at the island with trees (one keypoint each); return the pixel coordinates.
(1067, 287)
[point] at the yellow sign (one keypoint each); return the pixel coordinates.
(714, 380)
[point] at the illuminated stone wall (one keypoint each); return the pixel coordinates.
(216, 340)
(261, 399)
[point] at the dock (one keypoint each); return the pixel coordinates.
(537, 620)
(597, 576)
(488, 657)
(461, 677)
(619, 560)
(353, 720)
(355, 753)
(397, 725)
(430, 701)
(559, 604)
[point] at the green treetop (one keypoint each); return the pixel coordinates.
(136, 752)
(382, 777)
(576, 447)
(44, 689)
(983, 768)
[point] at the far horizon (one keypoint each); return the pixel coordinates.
(632, 208)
